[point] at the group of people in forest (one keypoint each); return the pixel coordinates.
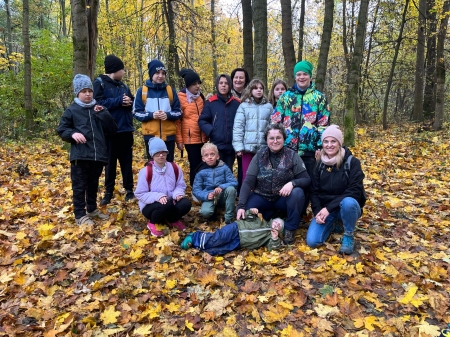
(288, 155)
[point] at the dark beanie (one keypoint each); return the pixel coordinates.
(190, 77)
(113, 64)
(154, 66)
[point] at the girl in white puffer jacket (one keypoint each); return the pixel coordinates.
(252, 118)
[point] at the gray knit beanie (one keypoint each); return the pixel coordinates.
(156, 145)
(81, 82)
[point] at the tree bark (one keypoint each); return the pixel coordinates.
(213, 39)
(351, 100)
(62, 4)
(344, 35)
(8, 28)
(287, 41)
(440, 69)
(394, 62)
(260, 24)
(301, 31)
(429, 99)
(247, 35)
(28, 103)
(420, 60)
(80, 38)
(325, 44)
(92, 7)
(173, 59)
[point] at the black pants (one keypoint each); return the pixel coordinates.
(240, 174)
(158, 213)
(194, 152)
(85, 175)
(228, 158)
(310, 163)
(120, 147)
(170, 147)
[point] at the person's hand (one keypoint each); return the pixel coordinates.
(286, 190)
(211, 196)
(163, 200)
(322, 216)
(126, 101)
(254, 210)
(239, 153)
(162, 115)
(98, 108)
(240, 214)
(79, 138)
(179, 197)
(180, 146)
(217, 191)
(158, 114)
(317, 155)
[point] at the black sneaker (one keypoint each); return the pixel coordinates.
(129, 196)
(289, 237)
(106, 199)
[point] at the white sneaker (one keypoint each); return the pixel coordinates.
(97, 214)
(84, 220)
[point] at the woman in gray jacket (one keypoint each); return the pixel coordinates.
(252, 118)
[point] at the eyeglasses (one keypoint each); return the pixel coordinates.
(159, 154)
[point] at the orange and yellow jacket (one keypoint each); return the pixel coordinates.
(188, 131)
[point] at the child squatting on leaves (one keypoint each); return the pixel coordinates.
(250, 232)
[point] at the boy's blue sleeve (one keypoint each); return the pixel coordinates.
(197, 188)
(107, 102)
(230, 180)
(175, 112)
(139, 112)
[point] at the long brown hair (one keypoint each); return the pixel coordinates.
(248, 91)
(271, 93)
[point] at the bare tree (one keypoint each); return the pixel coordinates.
(440, 68)
(29, 121)
(351, 101)
(287, 41)
(247, 35)
(420, 60)
(301, 30)
(325, 44)
(394, 62)
(260, 23)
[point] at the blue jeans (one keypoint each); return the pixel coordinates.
(349, 213)
(292, 205)
(220, 242)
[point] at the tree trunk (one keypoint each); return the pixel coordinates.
(440, 69)
(92, 7)
(286, 40)
(28, 104)
(247, 35)
(429, 99)
(344, 36)
(325, 44)
(213, 39)
(8, 28)
(173, 59)
(301, 31)
(394, 62)
(62, 4)
(351, 100)
(80, 37)
(260, 23)
(418, 89)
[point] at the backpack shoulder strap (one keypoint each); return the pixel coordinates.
(149, 174)
(175, 169)
(144, 94)
(170, 93)
(101, 82)
(321, 168)
(347, 166)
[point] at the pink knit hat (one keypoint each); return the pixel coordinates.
(333, 131)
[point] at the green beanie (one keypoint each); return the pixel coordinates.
(304, 66)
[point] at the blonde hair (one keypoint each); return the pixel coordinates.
(248, 91)
(209, 146)
(271, 93)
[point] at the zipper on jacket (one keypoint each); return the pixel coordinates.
(93, 135)
(198, 116)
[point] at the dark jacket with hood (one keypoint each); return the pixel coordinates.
(109, 93)
(331, 185)
(217, 118)
(94, 126)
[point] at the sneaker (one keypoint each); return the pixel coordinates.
(347, 244)
(338, 227)
(129, 196)
(84, 220)
(178, 225)
(154, 231)
(187, 242)
(97, 214)
(106, 199)
(289, 237)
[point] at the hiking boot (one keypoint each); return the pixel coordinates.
(187, 242)
(84, 220)
(129, 196)
(154, 231)
(106, 199)
(289, 237)
(347, 244)
(97, 214)
(338, 227)
(178, 225)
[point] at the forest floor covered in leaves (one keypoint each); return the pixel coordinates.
(114, 279)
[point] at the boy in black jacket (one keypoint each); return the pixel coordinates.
(84, 124)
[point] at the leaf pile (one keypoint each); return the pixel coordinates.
(59, 279)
